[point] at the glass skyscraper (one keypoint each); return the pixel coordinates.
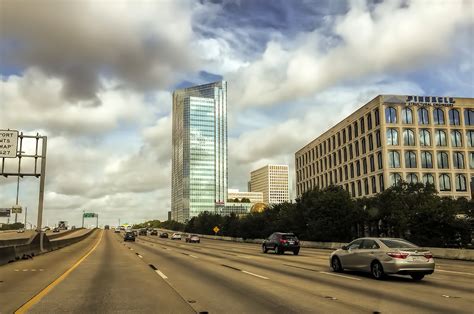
(199, 157)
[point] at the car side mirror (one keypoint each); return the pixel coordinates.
(344, 247)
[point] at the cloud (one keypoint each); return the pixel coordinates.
(391, 37)
(142, 44)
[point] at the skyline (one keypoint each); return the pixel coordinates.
(294, 70)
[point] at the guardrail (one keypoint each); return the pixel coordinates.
(447, 253)
(32, 247)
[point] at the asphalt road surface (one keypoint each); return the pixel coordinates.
(217, 277)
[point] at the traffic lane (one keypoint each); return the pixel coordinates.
(417, 298)
(112, 279)
(73, 234)
(222, 288)
(21, 280)
(13, 235)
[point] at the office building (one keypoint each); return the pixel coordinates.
(393, 138)
(199, 152)
(254, 197)
(272, 182)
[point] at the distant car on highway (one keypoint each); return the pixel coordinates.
(164, 235)
(46, 228)
(56, 229)
(142, 232)
(281, 242)
(106, 227)
(382, 256)
(117, 230)
(129, 236)
(21, 230)
(176, 236)
(193, 238)
(154, 232)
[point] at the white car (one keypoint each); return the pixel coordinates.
(176, 236)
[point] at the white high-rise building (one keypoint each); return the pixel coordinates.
(272, 181)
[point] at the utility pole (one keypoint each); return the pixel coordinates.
(26, 211)
(41, 190)
(83, 212)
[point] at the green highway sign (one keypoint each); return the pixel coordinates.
(89, 215)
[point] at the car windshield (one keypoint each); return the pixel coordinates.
(289, 237)
(398, 243)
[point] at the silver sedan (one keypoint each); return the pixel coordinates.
(381, 256)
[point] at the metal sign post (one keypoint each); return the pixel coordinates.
(9, 142)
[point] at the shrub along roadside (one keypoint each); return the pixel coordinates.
(411, 211)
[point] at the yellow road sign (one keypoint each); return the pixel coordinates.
(216, 229)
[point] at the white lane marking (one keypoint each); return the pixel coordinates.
(259, 276)
(140, 256)
(25, 269)
(326, 273)
(161, 274)
(193, 256)
(131, 249)
(41, 269)
(454, 272)
(17, 270)
(245, 256)
(181, 245)
(33, 270)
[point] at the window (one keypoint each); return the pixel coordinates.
(377, 118)
(377, 138)
(438, 116)
(346, 173)
(372, 163)
(353, 189)
(356, 144)
(458, 160)
(423, 116)
(379, 160)
(349, 132)
(456, 138)
(392, 136)
(344, 151)
(410, 159)
(371, 143)
(356, 129)
(471, 160)
(374, 184)
(470, 138)
(359, 188)
(358, 168)
(366, 186)
(352, 170)
(395, 179)
(381, 184)
(362, 126)
(443, 161)
(444, 183)
(428, 179)
(469, 116)
(407, 116)
(351, 155)
(390, 115)
(412, 178)
(460, 183)
(363, 146)
(425, 138)
(364, 165)
(440, 138)
(393, 159)
(343, 136)
(369, 121)
(426, 160)
(454, 117)
(408, 137)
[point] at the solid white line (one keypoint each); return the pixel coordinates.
(245, 256)
(326, 273)
(259, 276)
(161, 274)
(193, 256)
(454, 272)
(140, 256)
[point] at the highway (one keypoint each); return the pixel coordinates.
(102, 274)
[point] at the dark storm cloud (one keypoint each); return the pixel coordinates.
(142, 44)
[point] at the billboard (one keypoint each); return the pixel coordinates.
(5, 212)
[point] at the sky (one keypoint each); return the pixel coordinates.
(96, 78)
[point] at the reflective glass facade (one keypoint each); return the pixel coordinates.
(199, 158)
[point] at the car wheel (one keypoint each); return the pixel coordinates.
(336, 264)
(264, 249)
(377, 270)
(278, 250)
(296, 252)
(417, 277)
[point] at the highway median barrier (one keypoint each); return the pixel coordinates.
(31, 248)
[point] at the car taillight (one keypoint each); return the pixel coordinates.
(397, 255)
(283, 241)
(428, 255)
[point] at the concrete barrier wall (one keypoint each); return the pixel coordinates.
(459, 254)
(32, 248)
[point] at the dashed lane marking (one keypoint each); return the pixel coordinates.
(337, 275)
(140, 256)
(193, 256)
(244, 271)
(454, 272)
(249, 273)
(161, 274)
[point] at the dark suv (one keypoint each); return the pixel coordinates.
(281, 242)
(129, 236)
(142, 232)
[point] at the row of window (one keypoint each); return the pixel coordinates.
(426, 159)
(440, 137)
(350, 187)
(444, 180)
(438, 116)
(347, 134)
